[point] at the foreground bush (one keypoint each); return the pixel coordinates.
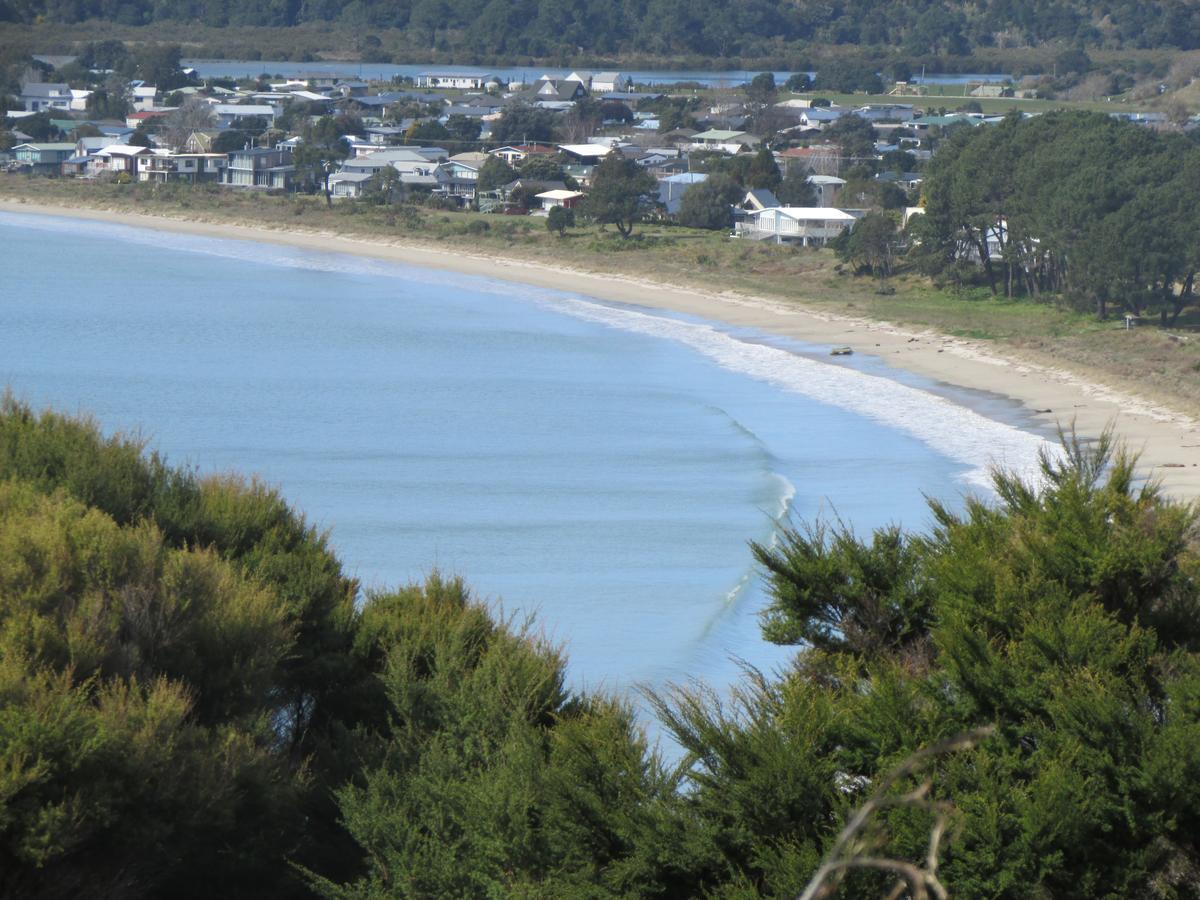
(192, 704)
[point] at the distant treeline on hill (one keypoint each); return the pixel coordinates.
(709, 27)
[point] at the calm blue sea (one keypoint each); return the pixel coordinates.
(601, 465)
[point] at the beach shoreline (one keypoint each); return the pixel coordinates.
(1168, 440)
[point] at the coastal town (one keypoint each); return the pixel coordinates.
(795, 168)
(637, 450)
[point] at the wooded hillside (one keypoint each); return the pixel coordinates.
(707, 27)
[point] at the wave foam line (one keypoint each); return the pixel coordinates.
(955, 431)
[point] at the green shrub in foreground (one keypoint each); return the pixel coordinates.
(192, 705)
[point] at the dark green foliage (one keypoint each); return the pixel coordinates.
(709, 204)
(172, 650)
(799, 83)
(794, 190)
(761, 90)
(463, 130)
(492, 779)
(1101, 212)
(848, 77)
(542, 167)
(190, 704)
(855, 135)
(1068, 618)
(40, 127)
(232, 139)
(318, 155)
(834, 593)
(620, 188)
(523, 124)
(559, 219)
(428, 132)
(103, 104)
(494, 173)
(763, 171)
(666, 27)
(872, 245)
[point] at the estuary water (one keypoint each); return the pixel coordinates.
(244, 68)
(601, 465)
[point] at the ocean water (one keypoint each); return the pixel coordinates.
(602, 466)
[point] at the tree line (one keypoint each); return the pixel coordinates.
(195, 700)
(1102, 212)
(664, 27)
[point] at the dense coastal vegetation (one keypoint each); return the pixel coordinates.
(663, 27)
(194, 704)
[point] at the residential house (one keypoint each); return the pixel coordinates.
(921, 124)
(826, 188)
(758, 199)
(38, 96)
(564, 198)
(807, 226)
(46, 159)
(259, 167)
(352, 88)
(885, 112)
(85, 148)
(672, 188)
(118, 131)
(383, 135)
(468, 81)
(818, 159)
(678, 137)
(609, 82)
(348, 185)
(585, 153)
(79, 99)
(566, 91)
(144, 117)
(472, 158)
(820, 116)
(200, 141)
(117, 158)
(518, 153)
(724, 140)
(230, 115)
(582, 173)
(189, 167)
(459, 178)
(142, 95)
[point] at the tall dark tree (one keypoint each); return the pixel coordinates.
(709, 204)
(619, 194)
(523, 123)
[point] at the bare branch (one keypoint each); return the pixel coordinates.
(847, 851)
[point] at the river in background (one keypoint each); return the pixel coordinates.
(601, 465)
(232, 68)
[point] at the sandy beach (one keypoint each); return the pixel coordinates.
(1168, 440)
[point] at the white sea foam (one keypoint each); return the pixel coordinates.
(951, 429)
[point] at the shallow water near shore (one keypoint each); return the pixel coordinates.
(599, 464)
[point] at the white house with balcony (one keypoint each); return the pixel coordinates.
(805, 225)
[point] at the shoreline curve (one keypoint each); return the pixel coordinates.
(1167, 440)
